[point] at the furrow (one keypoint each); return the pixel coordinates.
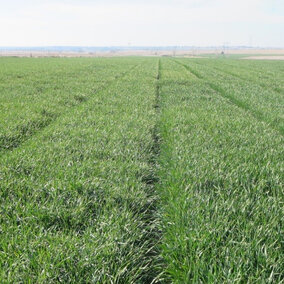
(152, 220)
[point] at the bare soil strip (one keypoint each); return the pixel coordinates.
(265, 57)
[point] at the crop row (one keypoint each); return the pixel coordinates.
(37, 91)
(221, 186)
(146, 171)
(267, 75)
(76, 198)
(266, 105)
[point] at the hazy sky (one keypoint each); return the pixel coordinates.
(135, 22)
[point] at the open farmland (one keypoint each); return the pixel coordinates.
(140, 170)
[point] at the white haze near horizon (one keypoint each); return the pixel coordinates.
(141, 23)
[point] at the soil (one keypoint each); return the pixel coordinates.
(265, 57)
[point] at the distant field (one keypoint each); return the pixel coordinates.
(171, 51)
(141, 169)
(266, 57)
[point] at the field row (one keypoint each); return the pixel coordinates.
(140, 170)
(34, 93)
(221, 183)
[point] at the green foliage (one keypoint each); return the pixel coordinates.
(75, 206)
(221, 180)
(140, 170)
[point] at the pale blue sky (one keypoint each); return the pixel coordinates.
(148, 22)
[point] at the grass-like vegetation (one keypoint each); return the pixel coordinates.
(221, 186)
(253, 92)
(140, 170)
(76, 198)
(35, 92)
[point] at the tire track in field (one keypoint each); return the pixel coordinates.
(151, 221)
(31, 128)
(231, 98)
